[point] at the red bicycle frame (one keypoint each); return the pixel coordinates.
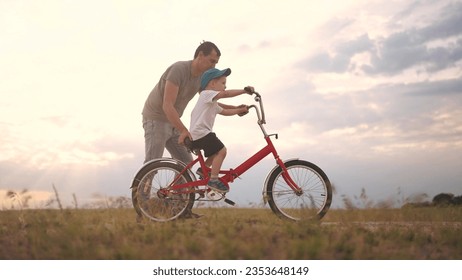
(230, 175)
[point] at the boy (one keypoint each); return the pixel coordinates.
(213, 88)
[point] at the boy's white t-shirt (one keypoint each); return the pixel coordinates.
(204, 113)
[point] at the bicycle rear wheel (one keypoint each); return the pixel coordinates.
(150, 197)
(312, 202)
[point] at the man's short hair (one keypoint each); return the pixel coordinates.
(206, 48)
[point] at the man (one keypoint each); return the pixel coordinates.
(167, 101)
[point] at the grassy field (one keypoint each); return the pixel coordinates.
(226, 233)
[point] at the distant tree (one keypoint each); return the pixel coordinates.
(443, 199)
(457, 200)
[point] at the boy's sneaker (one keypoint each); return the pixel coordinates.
(217, 185)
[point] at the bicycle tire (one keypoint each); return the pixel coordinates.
(312, 203)
(146, 198)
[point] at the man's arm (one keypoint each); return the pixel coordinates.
(170, 96)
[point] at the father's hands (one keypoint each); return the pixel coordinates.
(183, 135)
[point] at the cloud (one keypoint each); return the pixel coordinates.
(384, 119)
(435, 46)
(438, 88)
(357, 105)
(403, 50)
(339, 60)
(368, 83)
(60, 140)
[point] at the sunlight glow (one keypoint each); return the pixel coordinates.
(340, 79)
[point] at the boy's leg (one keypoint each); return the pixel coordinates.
(217, 161)
(209, 160)
(215, 183)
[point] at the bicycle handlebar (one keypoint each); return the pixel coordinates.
(261, 112)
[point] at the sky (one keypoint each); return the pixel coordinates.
(370, 91)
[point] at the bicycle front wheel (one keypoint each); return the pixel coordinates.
(312, 202)
(151, 197)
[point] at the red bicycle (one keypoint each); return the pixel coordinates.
(163, 189)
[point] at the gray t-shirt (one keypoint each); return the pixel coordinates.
(178, 73)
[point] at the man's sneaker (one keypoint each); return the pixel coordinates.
(217, 185)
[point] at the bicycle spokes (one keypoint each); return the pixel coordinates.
(311, 197)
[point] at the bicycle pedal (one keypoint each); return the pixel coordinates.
(230, 202)
(214, 195)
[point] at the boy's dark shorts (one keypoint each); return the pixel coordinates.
(209, 143)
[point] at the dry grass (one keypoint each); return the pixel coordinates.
(420, 233)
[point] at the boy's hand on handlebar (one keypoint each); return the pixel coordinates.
(249, 89)
(244, 110)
